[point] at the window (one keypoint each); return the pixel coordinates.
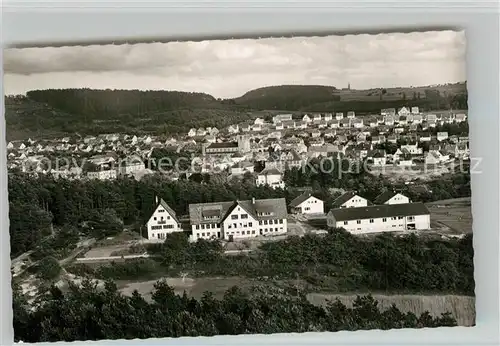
(235, 225)
(155, 227)
(168, 226)
(276, 229)
(358, 222)
(384, 219)
(168, 217)
(244, 216)
(197, 226)
(281, 221)
(154, 218)
(265, 222)
(234, 217)
(253, 232)
(249, 224)
(346, 222)
(371, 221)
(203, 234)
(260, 222)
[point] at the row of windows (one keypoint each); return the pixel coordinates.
(410, 218)
(161, 218)
(164, 227)
(208, 226)
(242, 216)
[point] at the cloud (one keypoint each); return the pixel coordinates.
(228, 68)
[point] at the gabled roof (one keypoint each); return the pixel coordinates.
(169, 210)
(301, 199)
(379, 211)
(222, 209)
(344, 198)
(384, 197)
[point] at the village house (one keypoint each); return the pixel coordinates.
(392, 138)
(293, 160)
(131, 165)
(403, 120)
(415, 110)
(233, 129)
(391, 197)
(357, 123)
(378, 139)
(279, 118)
(403, 111)
(306, 118)
(381, 218)
(222, 148)
(388, 111)
(379, 157)
(335, 124)
(389, 120)
(162, 222)
(279, 126)
(289, 124)
(306, 203)
(459, 118)
(242, 167)
(425, 137)
(434, 157)
(328, 117)
(350, 200)
(413, 149)
(346, 122)
(271, 177)
(317, 117)
(441, 136)
(351, 115)
(245, 128)
(417, 119)
(339, 116)
(238, 219)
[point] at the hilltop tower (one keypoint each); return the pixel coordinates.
(243, 144)
(349, 86)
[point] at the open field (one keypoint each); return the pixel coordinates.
(454, 216)
(461, 307)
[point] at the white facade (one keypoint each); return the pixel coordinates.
(311, 205)
(239, 224)
(355, 202)
(161, 223)
(381, 224)
(398, 199)
(274, 180)
(206, 231)
(103, 174)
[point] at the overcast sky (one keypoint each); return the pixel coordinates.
(229, 68)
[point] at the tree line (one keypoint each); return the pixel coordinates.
(338, 261)
(102, 208)
(90, 313)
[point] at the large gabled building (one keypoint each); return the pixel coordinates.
(162, 222)
(238, 219)
(381, 218)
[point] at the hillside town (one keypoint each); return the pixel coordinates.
(394, 138)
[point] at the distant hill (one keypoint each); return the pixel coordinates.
(52, 112)
(48, 113)
(330, 99)
(288, 97)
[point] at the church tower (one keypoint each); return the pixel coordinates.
(349, 86)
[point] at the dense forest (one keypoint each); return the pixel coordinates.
(36, 205)
(43, 113)
(328, 99)
(89, 313)
(338, 262)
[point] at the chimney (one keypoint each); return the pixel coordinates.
(156, 199)
(253, 200)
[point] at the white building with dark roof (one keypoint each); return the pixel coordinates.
(306, 203)
(381, 218)
(238, 219)
(162, 222)
(271, 177)
(350, 200)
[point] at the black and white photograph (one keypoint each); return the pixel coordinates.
(240, 186)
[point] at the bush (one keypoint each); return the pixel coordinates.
(48, 268)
